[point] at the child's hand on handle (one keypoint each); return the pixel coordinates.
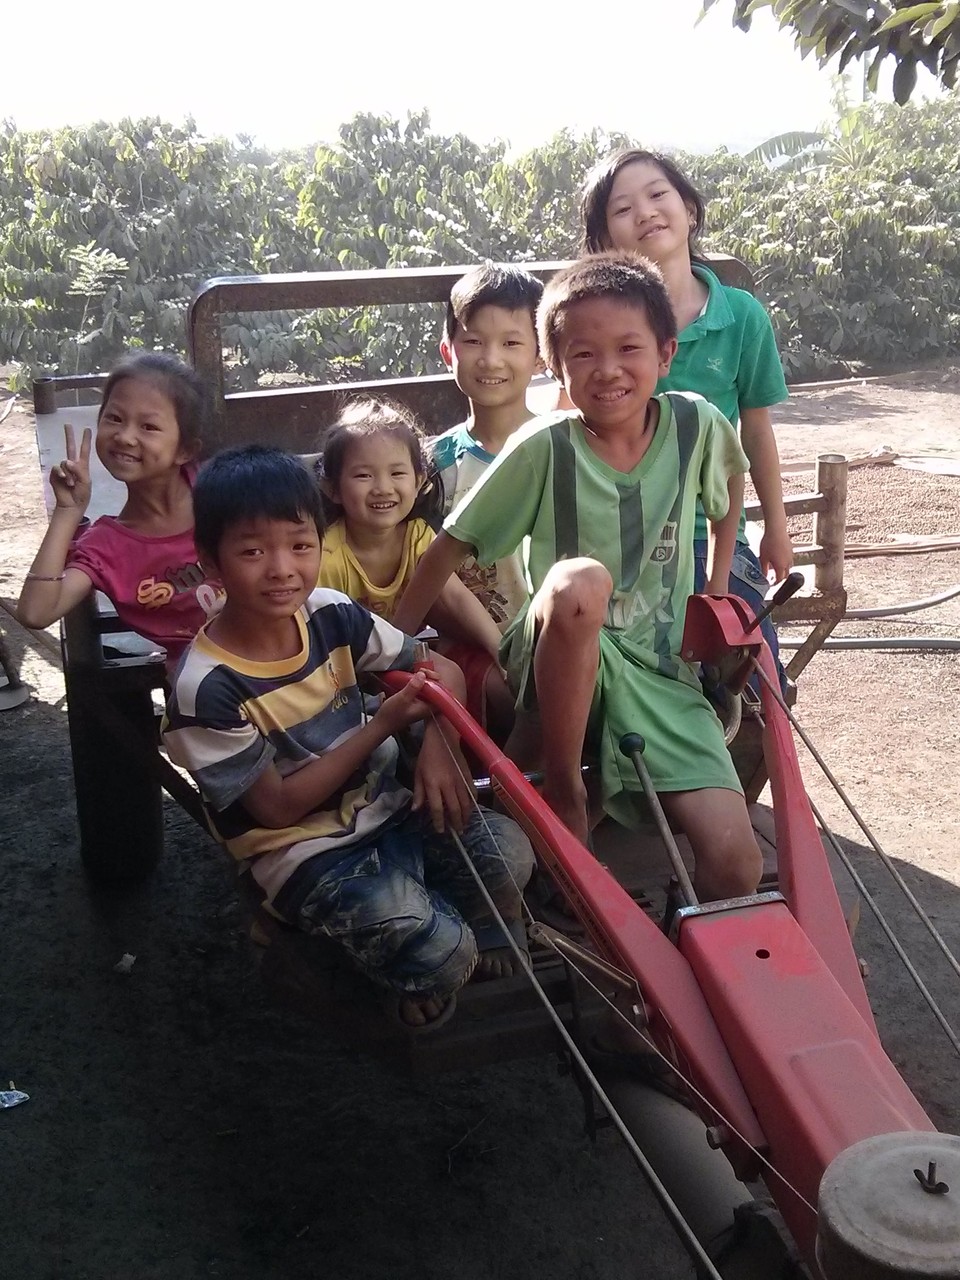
(401, 709)
(776, 552)
(70, 480)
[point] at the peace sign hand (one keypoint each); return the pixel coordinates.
(70, 480)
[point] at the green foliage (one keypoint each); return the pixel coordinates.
(788, 148)
(858, 253)
(912, 34)
(118, 224)
(852, 236)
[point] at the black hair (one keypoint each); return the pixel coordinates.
(251, 482)
(595, 197)
(183, 386)
(368, 417)
(494, 284)
(621, 275)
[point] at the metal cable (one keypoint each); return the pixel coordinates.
(651, 1045)
(612, 1007)
(885, 859)
(690, 1242)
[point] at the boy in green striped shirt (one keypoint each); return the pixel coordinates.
(604, 502)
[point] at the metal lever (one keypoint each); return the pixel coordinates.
(787, 588)
(632, 746)
(571, 950)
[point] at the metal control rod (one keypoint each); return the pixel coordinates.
(632, 746)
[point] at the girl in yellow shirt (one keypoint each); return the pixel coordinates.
(376, 496)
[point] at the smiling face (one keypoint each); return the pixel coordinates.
(493, 356)
(268, 567)
(646, 212)
(378, 485)
(138, 437)
(611, 362)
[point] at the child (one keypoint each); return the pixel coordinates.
(607, 499)
(372, 477)
(490, 346)
(727, 352)
(267, 715)
(149, 432)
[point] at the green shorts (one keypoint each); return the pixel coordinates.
(684, 751)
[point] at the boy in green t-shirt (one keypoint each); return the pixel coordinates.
(608, 499)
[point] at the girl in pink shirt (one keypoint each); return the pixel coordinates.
(149, 436)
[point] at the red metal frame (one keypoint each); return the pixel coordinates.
(760, 1004)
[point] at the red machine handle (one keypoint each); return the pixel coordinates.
(623, 933)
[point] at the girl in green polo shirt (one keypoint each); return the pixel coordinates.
(727, 353)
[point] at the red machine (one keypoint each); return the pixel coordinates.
(759, 1002)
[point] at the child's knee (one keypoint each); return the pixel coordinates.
(577, 593)
(514, 850)
(716, 821)
(734, 858)
(746, 864)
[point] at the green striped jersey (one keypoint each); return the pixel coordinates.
(549, 486)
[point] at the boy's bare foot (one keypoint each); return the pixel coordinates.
(570, 806)
(499, 962)
(548, 904)
(425, 1013)
(503, 962)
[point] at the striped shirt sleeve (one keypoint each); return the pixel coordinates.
(212, 738)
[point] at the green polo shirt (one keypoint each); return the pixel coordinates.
(729, 356)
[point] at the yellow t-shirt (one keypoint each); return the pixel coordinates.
(341, 570)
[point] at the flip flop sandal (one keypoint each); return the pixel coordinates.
(391, 1001)
(391, 1004)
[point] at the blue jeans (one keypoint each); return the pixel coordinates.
(404, 906)
(748, 581)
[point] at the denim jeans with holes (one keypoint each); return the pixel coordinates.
(405, 907)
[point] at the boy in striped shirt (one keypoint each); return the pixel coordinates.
(300, 781)
(608, 498)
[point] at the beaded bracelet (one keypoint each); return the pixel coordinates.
(44, 577)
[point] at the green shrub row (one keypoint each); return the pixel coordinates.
(852, 237)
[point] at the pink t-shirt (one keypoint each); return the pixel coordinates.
(156, 585)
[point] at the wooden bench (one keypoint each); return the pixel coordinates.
(114, 680)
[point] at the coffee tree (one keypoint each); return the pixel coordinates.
(852, 236)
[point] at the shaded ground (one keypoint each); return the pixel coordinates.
(179, 1127)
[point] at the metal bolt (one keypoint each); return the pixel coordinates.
(717, 1136)
(929, 1181)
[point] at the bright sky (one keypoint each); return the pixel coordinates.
(288, 72)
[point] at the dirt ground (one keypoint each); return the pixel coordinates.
(181, 1127)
